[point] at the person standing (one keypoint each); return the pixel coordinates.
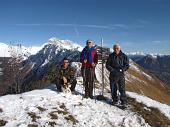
(117, 63)
(89, 60)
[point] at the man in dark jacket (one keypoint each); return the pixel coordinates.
(89, 59)
(117, 63)
(66, 77)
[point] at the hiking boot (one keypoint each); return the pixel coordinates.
(86, 96)
(91, 97)
(73, 92)
(59, 90)
(114, 102)
(123, 103)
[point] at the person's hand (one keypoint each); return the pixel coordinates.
(93, 64)
(85, 61)
(120, 70)
(65, 80)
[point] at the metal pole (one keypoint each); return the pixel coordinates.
(84, 79)
(94, 87)
(102, 67)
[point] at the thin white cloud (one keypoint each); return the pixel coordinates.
(143, 21)
(98, 26)
(71, 25)
(156, 41)
(120, 25)
(160, 42)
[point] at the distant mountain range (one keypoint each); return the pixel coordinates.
(159, 65)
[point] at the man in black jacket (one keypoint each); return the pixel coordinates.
(117, 63)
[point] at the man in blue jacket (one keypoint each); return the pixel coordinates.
(117, 63)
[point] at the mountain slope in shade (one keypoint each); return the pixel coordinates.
(158, 65)
(52, 53)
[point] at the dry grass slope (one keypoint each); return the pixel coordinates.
(153, 88)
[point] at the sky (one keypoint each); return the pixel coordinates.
(137, 25)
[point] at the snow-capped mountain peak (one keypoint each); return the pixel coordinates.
(66, 44)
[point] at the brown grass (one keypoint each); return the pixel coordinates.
(32, 125)
(62, 112)
(52, 124)
(41, 109)
(33, 116)
(1, 110)
(62, 106)
(53, 115)
(3, 123)
(72, 119)
(154, 89)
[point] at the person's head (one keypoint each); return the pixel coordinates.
(117, 48)
(66, 62)
(89, 43)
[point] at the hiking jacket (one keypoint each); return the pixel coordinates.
(85, 54)
(117, 64)
(69, 73)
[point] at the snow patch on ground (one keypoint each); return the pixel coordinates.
(86, 112)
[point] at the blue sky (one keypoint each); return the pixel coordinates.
(138, 25)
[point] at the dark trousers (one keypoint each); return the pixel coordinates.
(60, 83)
(88, 78)
(119, 83)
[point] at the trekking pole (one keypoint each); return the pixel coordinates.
(94, 87)
(84, 79)
(102, 66)
(118, 94)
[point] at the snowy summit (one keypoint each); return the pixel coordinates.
(49, 108)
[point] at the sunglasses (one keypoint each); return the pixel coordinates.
(89, 42)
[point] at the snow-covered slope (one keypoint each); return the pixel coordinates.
(47, 107)
(43, 107)
(5, 51)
